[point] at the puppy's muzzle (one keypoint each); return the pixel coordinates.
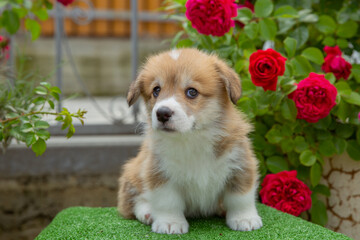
(163, 114)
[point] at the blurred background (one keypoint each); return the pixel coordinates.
(91, 49)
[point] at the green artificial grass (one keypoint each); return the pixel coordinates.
(105, 223)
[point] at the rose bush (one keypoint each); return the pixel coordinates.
(305, 108)
(4, 48)
(286, 193)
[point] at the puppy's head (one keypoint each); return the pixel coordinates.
(185, 90)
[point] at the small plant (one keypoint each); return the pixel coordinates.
(22, 108)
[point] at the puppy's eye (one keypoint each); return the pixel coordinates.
(191, 93)
(156, 91)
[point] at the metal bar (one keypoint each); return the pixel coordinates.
(99, 129)
(58, 53)
(134, 48)
(118, 15)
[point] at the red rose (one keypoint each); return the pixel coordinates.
(285, 192)
(4, 48)
(66, 2)
(334, 63)
(314, 98)
(247, 4)
(211, 16)
(265, 67)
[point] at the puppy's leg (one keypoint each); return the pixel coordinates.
(168, 210)
(142, 211)
(241, 211)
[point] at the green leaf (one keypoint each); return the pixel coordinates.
(344, 130)
(329, 41)
(248, 106)
(41, 125)
(302, 66)
(353, 98)
(274, 134)
(46, 84)
(55, 90)
(313, 54)
(323, 123)
(244, 14)
(251, 30)
(342, 43)
(307, 158)
(286, 12)
(41, 14)
(41, 90)
(11, 21)
(327, 148)
(263, 8)
(30, 139)
(353, 149)
(42, 133)
(290, 46)
(343, 88)
(356, 72)
(34, 28)
(71, 131)
(287, 145)
(277, 164)
(288, 109)
(322, 189)
(318, 213)
(343, 109)
(27, 127)
(331, 77)
(326, 24)
(52, 104)
(348, 29)
(39, 147)
(301, 35)
(268, 29)
(39, 101)
(183, 43)
(300, 144)
(340, 145)
(315, 174)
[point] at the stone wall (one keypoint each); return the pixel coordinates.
(28, 204)
(342, 175)
(81, 171)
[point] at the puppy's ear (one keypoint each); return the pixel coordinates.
(230, 79)
(135, 90)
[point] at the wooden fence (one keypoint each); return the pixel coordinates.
(115, 27)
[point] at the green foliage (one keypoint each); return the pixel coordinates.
(31, 11)
(299, 30)
(22, 108)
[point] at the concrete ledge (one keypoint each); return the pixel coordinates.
(79, 155)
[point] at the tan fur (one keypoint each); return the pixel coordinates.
(214, 80)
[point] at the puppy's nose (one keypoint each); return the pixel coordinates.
(164, 114)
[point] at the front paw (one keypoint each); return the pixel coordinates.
(170, 227)
(246, 223)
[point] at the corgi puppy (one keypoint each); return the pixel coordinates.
(196, 159)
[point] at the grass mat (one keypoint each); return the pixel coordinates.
(105, 223)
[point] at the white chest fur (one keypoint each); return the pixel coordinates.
(189, 162)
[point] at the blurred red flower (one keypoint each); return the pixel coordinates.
(285, 192)
(335, 63)
(211, 16)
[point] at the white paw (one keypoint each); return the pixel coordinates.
(247, 223)
(143, 213)
(170, 227)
